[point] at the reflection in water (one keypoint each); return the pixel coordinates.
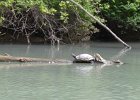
(28, 49)
(69, 82)
(54, 50)
(86, 69)
(7, 65)
(120, 53)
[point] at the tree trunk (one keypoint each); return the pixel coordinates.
(125, 44)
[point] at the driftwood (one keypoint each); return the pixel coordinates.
(8, 58)
(100, 23)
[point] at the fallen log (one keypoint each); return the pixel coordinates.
(8, 58)
(97, 59)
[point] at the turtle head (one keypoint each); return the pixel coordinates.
(98, 57)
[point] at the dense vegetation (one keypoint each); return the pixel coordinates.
(46, 20)
(123, 17)
(54, 20)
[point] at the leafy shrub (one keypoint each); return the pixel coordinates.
(125, 12)
(47, 18)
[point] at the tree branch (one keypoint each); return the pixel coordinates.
(125, 44)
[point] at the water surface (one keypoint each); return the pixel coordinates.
(33, 81)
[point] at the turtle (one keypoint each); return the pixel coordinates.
(87, 58)
(99, 58)
(83, 58)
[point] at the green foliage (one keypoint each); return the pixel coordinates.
(48, 16)
(126, 12)
(1, 20)
(54, 6)
(63, 13)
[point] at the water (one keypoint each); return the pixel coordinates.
(33, 81)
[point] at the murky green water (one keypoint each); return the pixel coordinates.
(35, 81)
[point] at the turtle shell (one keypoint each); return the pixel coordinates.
(84, 57)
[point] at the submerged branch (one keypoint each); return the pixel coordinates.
(120, 53)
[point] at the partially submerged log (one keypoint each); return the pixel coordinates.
(8, 58)
(97, 59)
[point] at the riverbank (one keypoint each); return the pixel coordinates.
(102, 36)
(22, 40)
(45, 22)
